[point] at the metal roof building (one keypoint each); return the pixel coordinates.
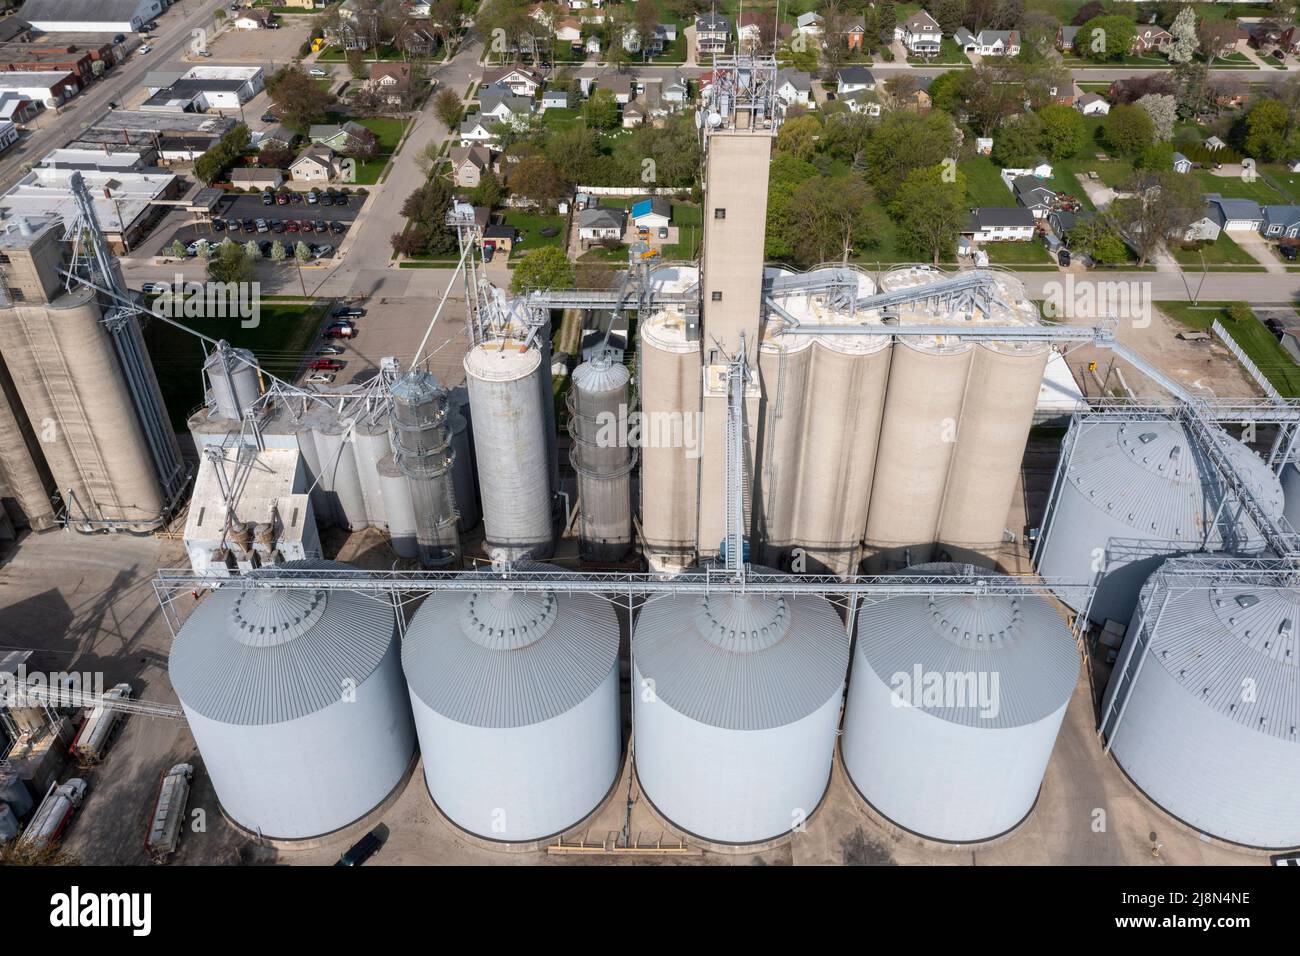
(515, 697)
(953, 708)
(295, 700)
(1134, 494)
(735, 706)
(1202, 711)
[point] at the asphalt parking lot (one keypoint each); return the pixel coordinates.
(251, 207)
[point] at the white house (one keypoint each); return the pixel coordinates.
(794, 86)
(522, 82)
(1214, 144)
(1182, 164)
(1205, 228)
(569, 30)
(254, 19)
(989, 42)
(1091, 104)
(512, 110)
(597, 223)
(317, 164)
(1042, 170)
(810, 23)
(1000, 224)
(209, 88)
(652, 212)
(853, 79)
(474, 130)
(920, 33)
(555, 99)
(90, 16)
(1033, 195)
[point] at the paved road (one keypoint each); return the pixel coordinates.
(173, 36)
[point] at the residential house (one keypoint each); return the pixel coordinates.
(499, 238)
(1000, 224)
(555, 100)
(1281, 222)
(1066, 37)
(468, 163)
(1092, 104)
(652, 212)
(1063, 223)
(1041, 169)
(1268, 36)
(1181, 163)
(256, 177)
(569, 30)
(316, 164)
(340, 138)
(852, 79)
(989, 42)
(854, 33)
(1204, 228)
(920, 33)
(1033, 195)
(278, 135)
(674, 90)
(984, 145)
(475, 130)
(620, 84)
(712, 33)
(1151, 38)
(752, 27)
(522, 81)
(794, 86)
(392, 82)
(634, 114)
(598, 223)
(497, 107)
(592, 45)
(810, 23)
(864, 101)
(1214, 144)
(256, 18)
(1235, 215)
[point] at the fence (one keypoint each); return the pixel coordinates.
(1251, 368)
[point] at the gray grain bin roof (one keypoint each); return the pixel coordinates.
(1021, 639)
(742, 661)
(1150, 476)
(1215, 642)
(262, 656)
(600, 375)
(508, 659)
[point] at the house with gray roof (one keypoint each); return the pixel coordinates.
(1033, 195)
(794, 86)
(852, 79)
(1281, 222)
(1235, 215)
(989, 42)
(1000, 224)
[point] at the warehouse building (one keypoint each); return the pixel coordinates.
(176, 137)
(124, 201)
(90, 16)
(208, 88)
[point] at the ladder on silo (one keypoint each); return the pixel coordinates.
(737, 488)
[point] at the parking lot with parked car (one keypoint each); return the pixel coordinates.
(323, 223)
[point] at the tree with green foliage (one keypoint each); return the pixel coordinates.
(1019, 143)
(252, 249)
(930, 209)
(1064, 131)
(903, 142)
(298, 99)
(489, 192)
(1186, 40)
(1156, 156)
(946, 91)
(830, 217)
(888, 21)
(232, 263)
(575, 151)
(278, 251)
(213, 164)
(426, 209)
(786, 174)
(948, 14)
(1127, 130)
(601, 109)
(1095, 237)
(546, 267)
(1269, 133)
(302, 252)
(1106, 37)
(1159, 204)
(799, 136)
(175, 249)
(537, 180)
(447, 107)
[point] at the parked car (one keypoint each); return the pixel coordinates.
(325, 365)
(265, 247)
(320, 226)
(339, 332)
(349, 311)
(233, 225)
(326, 199)
(219, 225)
(1063, 257)
(269, 117)
(313, 197)
(153, 288)
(330, 350)
(248, 225)
(268, 198)
(1288, 253)
(663, 232)
(319, 378)
(317, 71)
(341, 199)
(337, 227)
(488, 252)
(144, 48)
(291, 225)
(277, 226)
(323, 251)
(282, 199)
(361, 851)
(263, 226)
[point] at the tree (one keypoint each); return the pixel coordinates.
(991, 94)
(1096, 238)
(274, 156)
(903, 142)
(1186, 39)
(537, 179)
(546, 267)
(1037, 35)
(1019, 142)
(949, 16)
(446, 106)
(1007, 14)
(1216, 37)
(232, 263)
(299, 100)
(278, 252)
(175, 249)
(213, 164)
(1163, 111)
(1133, 88)
(489, 192)
(601, 109)
(1088, 11)
(829, 217)
(1064, 131)
(799, 136)
(1107, 37)
(1268, 130)
(930, 210)
(252, 249)
(356, 64)
(786, 174)
(427, 208)
(1160, 204)
(888, 20)
(1128, 130)
(1041, 81)
(946, 91)
(301, 251)
(575, 151)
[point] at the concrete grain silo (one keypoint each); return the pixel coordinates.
(1134, 494)
(736, 701)
(598, 404)
(511, 447)
(515, 696)
(954, 705)
(296, 702)
(339, 476)
(669, 389)
(1202, 710)
(398, 508)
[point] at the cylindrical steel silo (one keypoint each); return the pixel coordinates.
(371, 444)
(668, 386)
(1202, 710)
(954, 704)
(1289, 477)
(598, 406)
(1135, 494)
(511, 448)
(296, 701)
(515, 696)
(464, 474)
(232, 376)
(421, 442)
(736, 701)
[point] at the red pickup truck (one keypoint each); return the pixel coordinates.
(325, 365)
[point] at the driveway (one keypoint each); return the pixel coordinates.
(1261, 249)
(1098, 193)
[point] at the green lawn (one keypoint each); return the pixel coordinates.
(950, 54)
(388, 130)
(558, 118)
(1017, 253)
(1223, 251)
(887, 252)
(283, 334)
(690, 231)
(334, 54)
(530, 226)
(984, 186)
(1255, 340)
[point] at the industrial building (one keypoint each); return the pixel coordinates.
(175, 137)
(90, 16)
(204, 88)
(127, 203)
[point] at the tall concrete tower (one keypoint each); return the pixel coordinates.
(739, 120)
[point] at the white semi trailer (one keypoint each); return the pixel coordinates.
(52, 816)
(91, 742)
